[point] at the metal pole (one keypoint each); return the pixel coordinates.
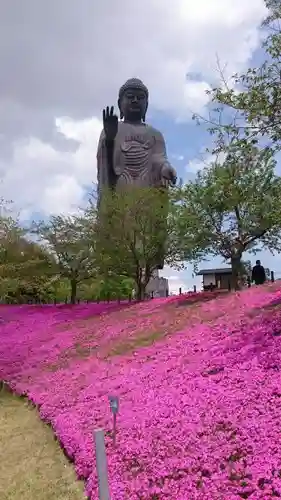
(101, 463)
(114, 429)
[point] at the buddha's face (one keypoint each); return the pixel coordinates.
(133, 104)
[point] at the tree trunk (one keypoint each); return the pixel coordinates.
(73, 284)
(236, 271)
(140, 295)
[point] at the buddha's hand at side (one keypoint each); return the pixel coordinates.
(169, 174)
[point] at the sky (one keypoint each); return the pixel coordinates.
(63, 61)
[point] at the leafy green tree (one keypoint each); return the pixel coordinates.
(106, 288)
(259, 97)
(134, 235)
(24, 258)
(71, 241)
(231, 207)
(10, 232)
(115, 287)
(24, 265)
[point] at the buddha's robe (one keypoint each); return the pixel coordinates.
(139, 156)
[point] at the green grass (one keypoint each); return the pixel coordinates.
(32, 464)
(144, 340)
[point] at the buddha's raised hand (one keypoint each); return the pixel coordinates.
(110, 123)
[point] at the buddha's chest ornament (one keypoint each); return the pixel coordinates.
(133, 156)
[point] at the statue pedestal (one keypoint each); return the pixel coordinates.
(159, 286)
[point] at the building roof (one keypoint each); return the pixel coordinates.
(222, 270)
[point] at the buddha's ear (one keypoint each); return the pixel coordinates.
(121, 112)
(144, 114)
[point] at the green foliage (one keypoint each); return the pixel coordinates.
(242, 197)
(71, 242)
(114, 287)
(24, 265)
(259, 95)
(133, 234)
(231, 206)
(106, 288)
(70, 239)
(51, 269)
(37, 290)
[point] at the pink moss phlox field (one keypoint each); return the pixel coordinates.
(200, 408)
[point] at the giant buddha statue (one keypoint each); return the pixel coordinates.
(131, 152)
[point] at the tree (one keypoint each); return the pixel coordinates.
(259, 96)
(23, 263)
(25, 266)
(134, 234)
(71, 240)
(9, 235)
(25, 271)
(106, 288)
(114, 287)
(231, 207)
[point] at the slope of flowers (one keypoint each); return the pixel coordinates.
(199, 387)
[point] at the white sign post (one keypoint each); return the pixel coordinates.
(101, 463)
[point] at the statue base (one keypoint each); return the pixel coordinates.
(157, 286)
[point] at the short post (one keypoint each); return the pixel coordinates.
(272, 276)
(180, 291)
(229, 286)
(194, 288)
(167, 293)
(152, 294)
(101, 464)
(114, 406)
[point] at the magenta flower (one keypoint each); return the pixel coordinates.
(199, 382)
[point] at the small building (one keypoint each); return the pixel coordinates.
(217, 278)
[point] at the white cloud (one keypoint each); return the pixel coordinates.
(184, 279)
(177, 157)
(76, 68)
(197, 164)
(47, 180)
(188, 38)
(176, 283)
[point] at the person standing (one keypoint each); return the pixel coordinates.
(258, 273)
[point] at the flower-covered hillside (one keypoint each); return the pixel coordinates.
(199, 386)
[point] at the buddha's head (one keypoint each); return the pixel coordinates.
(133, 100)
